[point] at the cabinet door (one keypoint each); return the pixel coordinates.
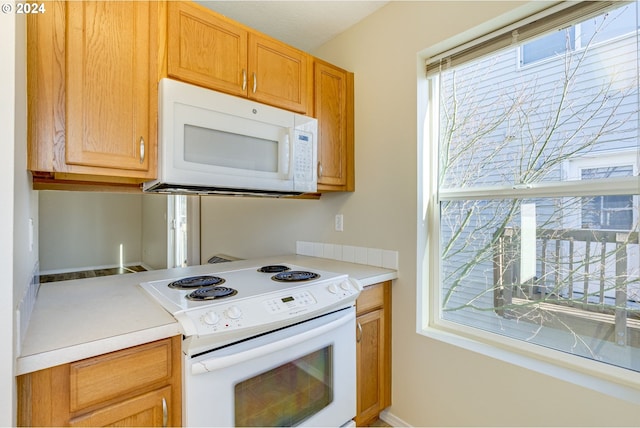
(333, 97)
(279, 74)
(138, 386)
(109, 93)
(370, 356)
(205, 49)
(146, 410)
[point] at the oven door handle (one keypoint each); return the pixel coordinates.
(219, 363)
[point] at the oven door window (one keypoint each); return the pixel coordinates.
(287, 394)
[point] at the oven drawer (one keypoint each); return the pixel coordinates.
(99, 379)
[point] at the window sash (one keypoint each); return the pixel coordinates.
(598, 187)
(571, 188)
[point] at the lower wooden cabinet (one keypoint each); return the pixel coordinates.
(373, 352)
(138, 386)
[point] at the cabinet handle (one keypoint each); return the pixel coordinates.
(359, 336)
(165, 413)
(141, 150)
(320, 170)
(244, 79)
(255, 82)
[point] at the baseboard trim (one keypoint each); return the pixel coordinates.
(392, 419)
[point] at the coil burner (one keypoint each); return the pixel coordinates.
(211, 293)
(274, 268)
(295, 276)
(194, 282)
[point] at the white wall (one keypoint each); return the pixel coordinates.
(154, 231)
(7, 115)
(25, 222)
(86, 229)
(435, 384)
(18, 259)
(247, 227)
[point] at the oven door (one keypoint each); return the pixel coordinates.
(301, 375)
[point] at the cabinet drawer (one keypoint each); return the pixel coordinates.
(97, 380)
(372, 297)
(146, 410)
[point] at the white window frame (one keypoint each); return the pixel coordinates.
(617, 382)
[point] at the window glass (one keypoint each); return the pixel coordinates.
(556, 43)
(595, 30)
(538, 192)
(607, 26)
(503, 125)
(518, 272)
(607, 212)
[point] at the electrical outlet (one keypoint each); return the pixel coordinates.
(339, 223)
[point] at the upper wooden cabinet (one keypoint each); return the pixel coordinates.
(279, 74)
(333, 107)
(209, 50)
(206, 49)
(92, 92)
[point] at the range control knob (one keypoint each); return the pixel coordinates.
(345, 285)
(211, 318)
(234, 312)
(332, 288)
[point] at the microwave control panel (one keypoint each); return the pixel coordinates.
(304, 164)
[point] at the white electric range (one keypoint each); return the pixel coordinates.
(274, 344)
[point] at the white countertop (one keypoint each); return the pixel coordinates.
(82, 318)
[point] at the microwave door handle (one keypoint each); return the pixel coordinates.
(286, 154)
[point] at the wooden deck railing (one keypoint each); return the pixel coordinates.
(582, 278)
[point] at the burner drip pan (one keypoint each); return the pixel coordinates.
(295, 276)
(194, 282)
(211, 293)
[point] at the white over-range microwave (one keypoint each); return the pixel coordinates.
(214, 143)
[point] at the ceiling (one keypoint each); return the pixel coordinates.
(305, 25)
